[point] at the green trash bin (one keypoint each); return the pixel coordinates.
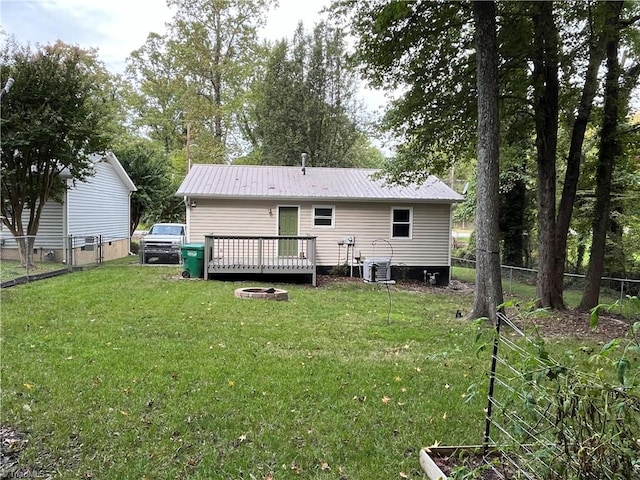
(192, 260)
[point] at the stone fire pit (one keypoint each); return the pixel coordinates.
(263, 293)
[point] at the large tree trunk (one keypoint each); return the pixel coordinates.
(610, 148)
(546, 91)
(513, 223)
(488, 279)
(565, 209)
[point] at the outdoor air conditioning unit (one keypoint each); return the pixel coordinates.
(377, 270)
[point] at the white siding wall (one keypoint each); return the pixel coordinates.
(99, 206)
(50, 231)
(368, 222)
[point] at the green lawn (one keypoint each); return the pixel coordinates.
(129, 371)
(10, 269)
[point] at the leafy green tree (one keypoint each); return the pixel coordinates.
(306, 103)
(191, 85)
(148, 167)
(156, 93)
(618, 85)
(59, 112)
(215, 46)
(424, 50)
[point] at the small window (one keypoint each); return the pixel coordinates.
(323, 216)
(401, 223)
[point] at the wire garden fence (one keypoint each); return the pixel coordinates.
(550, 421)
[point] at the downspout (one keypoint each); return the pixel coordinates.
(450, 240)
(187, 203)
(67, 255)
(130, 233)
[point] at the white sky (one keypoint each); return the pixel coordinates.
(117, 27)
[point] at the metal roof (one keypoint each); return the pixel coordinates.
(260, 182)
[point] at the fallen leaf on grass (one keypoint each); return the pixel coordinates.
(444, 416)
(28, 386)
(385, 400)
(325, 466)
(403, 475)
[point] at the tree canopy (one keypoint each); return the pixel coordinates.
(550, 77)
(305, 102)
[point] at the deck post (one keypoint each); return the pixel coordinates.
(311, 251)
(260, 255)
(207, 245)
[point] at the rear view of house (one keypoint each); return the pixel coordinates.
(318, 219)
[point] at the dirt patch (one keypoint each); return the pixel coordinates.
(12, 443)
(572, 324)
(490, 469)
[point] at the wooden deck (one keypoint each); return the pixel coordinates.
(289, 255)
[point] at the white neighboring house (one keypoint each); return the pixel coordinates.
(92, 211)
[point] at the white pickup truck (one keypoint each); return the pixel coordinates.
(162, 243)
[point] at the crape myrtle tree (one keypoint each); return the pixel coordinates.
(550, 59)
(57, 114)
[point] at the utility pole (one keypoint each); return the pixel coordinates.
(188, 146)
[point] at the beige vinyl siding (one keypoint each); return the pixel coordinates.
(368, 222)
(233, 217)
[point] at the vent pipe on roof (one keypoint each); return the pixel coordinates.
(304, 163)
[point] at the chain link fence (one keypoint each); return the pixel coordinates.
(613, 287)
(29, 257)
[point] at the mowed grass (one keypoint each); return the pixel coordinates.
(132, 372)
(10, 269)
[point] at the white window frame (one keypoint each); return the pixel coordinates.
(410, 223)
(314, 216)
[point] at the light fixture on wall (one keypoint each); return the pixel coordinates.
(193, 204)
(270, 211)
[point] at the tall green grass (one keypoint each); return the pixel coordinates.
(132, 372)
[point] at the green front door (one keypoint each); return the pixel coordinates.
(288, 226)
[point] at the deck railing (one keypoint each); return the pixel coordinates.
(248, 254)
